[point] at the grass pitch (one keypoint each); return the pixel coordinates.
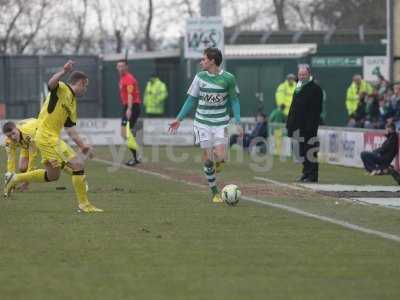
(163, 239)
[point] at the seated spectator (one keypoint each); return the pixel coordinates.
(372, 111)
(378, 161)
(382, 85)
(385, 112)
(260, 131)
(358, 118)
(395, 99)
(278, 115)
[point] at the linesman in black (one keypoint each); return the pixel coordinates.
(303, 121)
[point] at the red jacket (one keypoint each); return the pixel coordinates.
(128, 85)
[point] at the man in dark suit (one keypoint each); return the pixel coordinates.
(303, 121)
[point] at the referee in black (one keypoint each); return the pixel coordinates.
(303, 121)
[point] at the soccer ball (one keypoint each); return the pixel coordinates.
(231, 194)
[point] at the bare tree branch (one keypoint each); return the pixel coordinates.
(36, 26)
(80, 23)
(11, 26)
(280, 14)
(148, 26)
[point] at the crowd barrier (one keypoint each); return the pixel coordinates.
(338, 145)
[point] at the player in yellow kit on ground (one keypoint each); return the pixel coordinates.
(20, 135)
(58, 111)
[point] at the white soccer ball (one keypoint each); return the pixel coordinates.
(231, 194)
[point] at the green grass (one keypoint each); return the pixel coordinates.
(159, 239)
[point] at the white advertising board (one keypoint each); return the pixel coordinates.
(155, 132)
(341, 147)
(202, 33)
(97, 132)
(352, 144)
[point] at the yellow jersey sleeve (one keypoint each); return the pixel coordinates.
(11, 150)
(32, 157)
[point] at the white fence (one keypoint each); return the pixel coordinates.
(338, 145)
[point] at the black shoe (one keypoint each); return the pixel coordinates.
(301, 178)
(131, 163)
(394, 174)
(310, 180)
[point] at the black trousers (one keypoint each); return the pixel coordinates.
(372, 161)
(308, 150)
(134, 116)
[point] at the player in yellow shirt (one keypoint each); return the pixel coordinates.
(58, 111)
(20, 135)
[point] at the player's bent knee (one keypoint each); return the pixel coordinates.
(51, 176)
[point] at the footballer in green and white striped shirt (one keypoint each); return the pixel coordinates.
(214, 91)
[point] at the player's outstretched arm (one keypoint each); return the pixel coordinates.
(74, 135)
(235, 104)
(53, 81)
(186, 108)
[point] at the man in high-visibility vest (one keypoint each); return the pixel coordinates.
(154, 97)
(359, 88)
(284, 93)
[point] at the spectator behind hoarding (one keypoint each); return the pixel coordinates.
(155, 95)
(260, 131)
(284, 93)
(395, 100)
(277, 115)
(372, 111)
(357, 119)
(357, 90)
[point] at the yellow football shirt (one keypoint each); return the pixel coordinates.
(58, 111)
(27, 128)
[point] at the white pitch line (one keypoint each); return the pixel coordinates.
(345, 224)
(349, 188)
(294, 210)
(281, 184)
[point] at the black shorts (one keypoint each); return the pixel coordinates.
(134, 116)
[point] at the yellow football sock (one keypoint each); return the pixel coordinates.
(79, 183)
(32, 176)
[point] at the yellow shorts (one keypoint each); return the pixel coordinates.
(55, 154)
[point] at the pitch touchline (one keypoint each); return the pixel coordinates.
(285, 185)
(347, 225)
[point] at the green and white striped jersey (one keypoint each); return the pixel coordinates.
(213, 92)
